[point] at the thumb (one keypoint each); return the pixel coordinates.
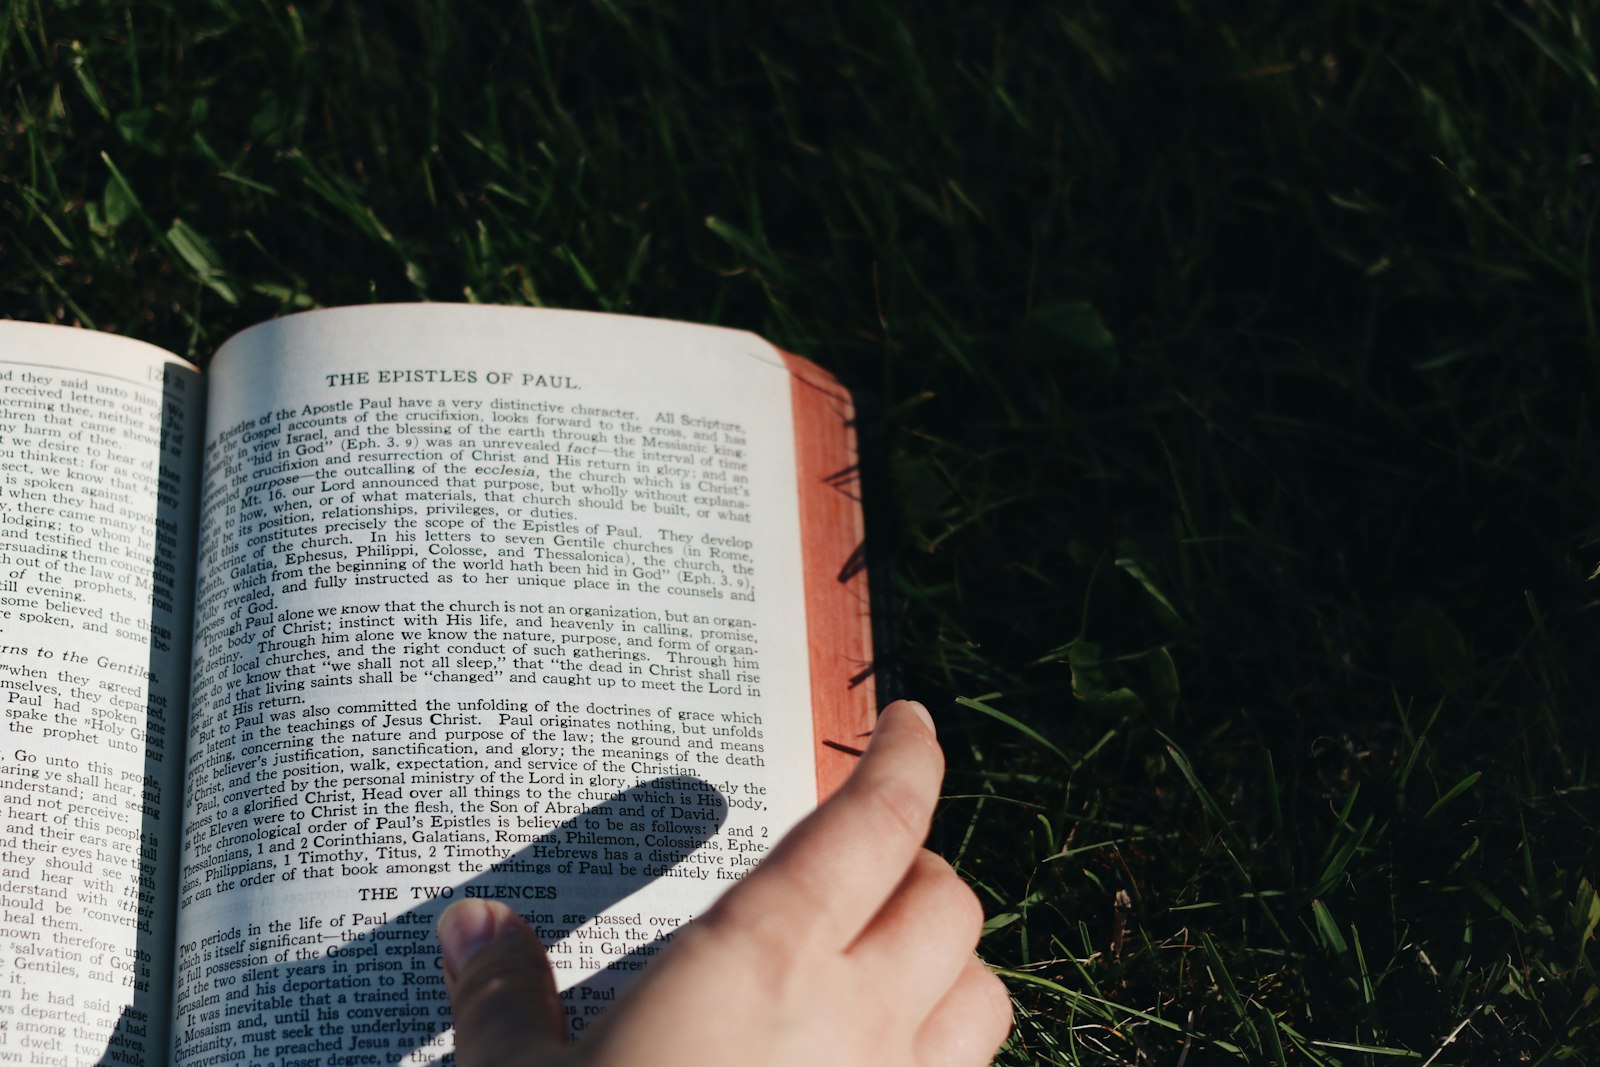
(502, 991)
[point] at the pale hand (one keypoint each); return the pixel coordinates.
(849, 944)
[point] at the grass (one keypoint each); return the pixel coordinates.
(1237, 369)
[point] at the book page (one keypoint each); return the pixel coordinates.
(494, 602)
(98, 477)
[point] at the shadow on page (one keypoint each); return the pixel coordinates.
(365, 986)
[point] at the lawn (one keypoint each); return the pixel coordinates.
(1234, 370)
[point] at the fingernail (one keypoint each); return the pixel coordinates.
(464, 928)
(922, 713)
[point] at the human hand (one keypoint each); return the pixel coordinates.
(848, 944)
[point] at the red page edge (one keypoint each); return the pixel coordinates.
(838, 619)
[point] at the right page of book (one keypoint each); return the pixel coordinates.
(492, 602)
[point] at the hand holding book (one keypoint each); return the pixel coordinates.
(849, 941)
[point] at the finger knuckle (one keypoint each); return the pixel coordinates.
(949, 893)
(962, 902)
(763, 936)
(491, 977)
(898, 809)
(486, 999)
(998, 998)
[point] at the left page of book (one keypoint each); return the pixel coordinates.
(98, 466)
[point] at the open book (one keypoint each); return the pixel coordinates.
(398, 605)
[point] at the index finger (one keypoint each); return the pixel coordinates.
(829, 876)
